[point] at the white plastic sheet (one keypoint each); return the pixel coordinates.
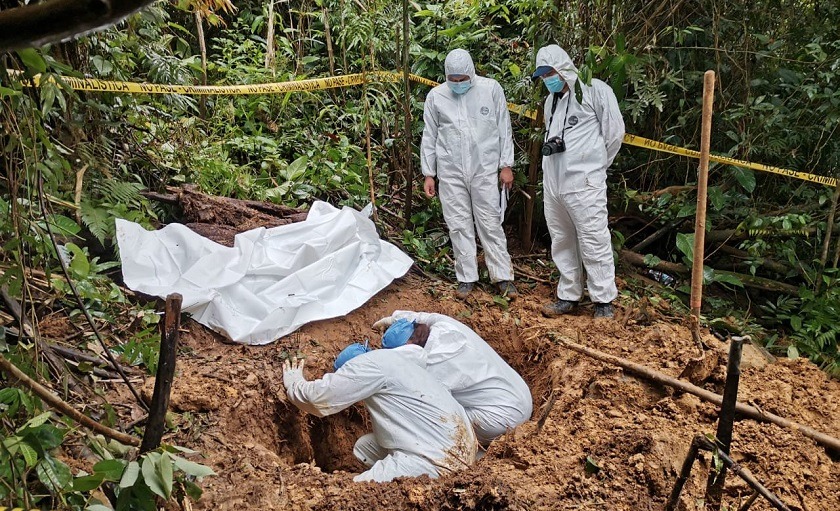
(272, 281)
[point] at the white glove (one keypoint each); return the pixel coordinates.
(292, 371)
(384, 323)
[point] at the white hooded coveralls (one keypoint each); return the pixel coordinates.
(466, 140)
(495, 397)
(574, 181)
(418, 427)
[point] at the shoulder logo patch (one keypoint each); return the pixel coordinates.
(573, 120)
(485, 110)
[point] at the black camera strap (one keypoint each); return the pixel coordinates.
(557, 97)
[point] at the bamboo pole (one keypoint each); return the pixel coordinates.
(745, 410)
(700, 217)
(62, 406)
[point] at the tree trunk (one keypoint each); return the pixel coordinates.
(269, 37)
(328, 37)
(409, 153)
(531, 188)
(199, 27)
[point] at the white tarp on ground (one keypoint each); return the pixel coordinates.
(272, 281)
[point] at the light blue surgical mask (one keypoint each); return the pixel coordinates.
(554, 83)
(459, 87)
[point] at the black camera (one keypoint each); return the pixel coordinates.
(553, 145)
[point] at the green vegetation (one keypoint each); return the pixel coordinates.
(74, 161)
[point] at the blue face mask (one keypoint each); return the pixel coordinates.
(554, 84)
(459, 87)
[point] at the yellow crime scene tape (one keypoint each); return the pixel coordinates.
(332, 82)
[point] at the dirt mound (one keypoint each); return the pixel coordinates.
(609, 441)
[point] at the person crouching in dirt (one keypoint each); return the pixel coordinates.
(418, 427)
(495, 397)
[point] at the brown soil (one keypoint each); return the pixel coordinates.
(270, 456)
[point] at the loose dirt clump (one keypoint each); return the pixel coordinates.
(608, 441)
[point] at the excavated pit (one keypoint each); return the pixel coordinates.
(269, 455)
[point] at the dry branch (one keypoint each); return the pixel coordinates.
(62, 406)
(745, 410)
(762, 283)
(29, 332)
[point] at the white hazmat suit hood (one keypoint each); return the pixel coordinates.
(556, 57)
(467, 139)
(575, 181)
(459, 62)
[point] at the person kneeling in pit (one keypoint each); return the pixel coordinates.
(495, 397)
(418, 427)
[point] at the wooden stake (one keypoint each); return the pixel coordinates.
(165, 374)
(685, 472)
(745, 410)
(700, 218)
(62, 406)
(726, 421)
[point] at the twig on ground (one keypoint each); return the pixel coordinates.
(62, 406)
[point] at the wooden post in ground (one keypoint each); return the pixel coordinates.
(165, 374)
(700, 217)
(726, 421)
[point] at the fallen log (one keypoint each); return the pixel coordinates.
(221, 218)
(745, 410)
(752, 281)
(62, 406)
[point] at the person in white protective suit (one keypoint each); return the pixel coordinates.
(582, 139)
(418, 427)
(467, 142)
(495, 397)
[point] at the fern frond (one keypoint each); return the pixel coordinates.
(121, 192)
(98, 220)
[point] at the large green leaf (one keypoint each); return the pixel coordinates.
(65, 226)
(111, 470)
(685, 243)
(129, 477)
(47, 437)
(29, 454)
(745, 177)
(157, 474)
(33, 60)
(191, 468)
(728, 278)
(79, 264)
(36, 421)
(87, 483)
(54, 474)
